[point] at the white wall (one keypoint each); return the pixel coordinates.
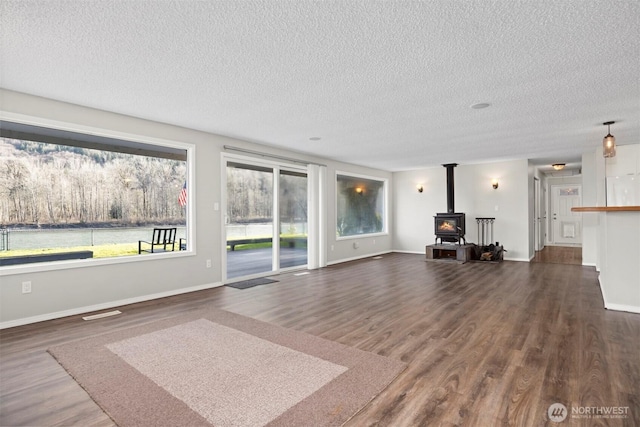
(413, 228)
(594, 170)
(590, 222)
(70, 291)
(413, 211)
(611, 239)
(620, 269)
(626, 161)
(623, 176)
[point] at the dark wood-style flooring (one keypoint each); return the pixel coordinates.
(485, 344)
(559, 255)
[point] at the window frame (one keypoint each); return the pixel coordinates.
(137, 140)
(385, 208)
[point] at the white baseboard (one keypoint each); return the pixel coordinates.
(340, 261)
(604, 296)
(621, 307)
(616, 307)
(517, 259)
(410, 252)
(103, 306)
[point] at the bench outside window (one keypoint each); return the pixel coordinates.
(164, 239)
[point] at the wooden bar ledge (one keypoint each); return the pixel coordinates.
(606, 209)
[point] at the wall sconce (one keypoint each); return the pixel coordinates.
(359, 190)
(609, 142)
(420, 188)
(494, 183)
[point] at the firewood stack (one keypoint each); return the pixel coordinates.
(490, 252)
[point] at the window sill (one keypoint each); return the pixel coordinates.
(361, 236)
(65, 265)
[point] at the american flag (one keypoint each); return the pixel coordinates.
(182, 198)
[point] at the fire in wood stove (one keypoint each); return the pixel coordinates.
(447, 226)
(450, 227)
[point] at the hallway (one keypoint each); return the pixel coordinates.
(559, 255)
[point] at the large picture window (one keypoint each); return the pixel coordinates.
(361, 205)
(66, 196)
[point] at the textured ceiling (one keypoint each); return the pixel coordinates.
(386, 84)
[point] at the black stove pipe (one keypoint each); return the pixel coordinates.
(450, 188)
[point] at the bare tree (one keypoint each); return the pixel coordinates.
(45, 183)
(14, 176)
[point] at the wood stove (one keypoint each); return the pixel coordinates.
(450, 226)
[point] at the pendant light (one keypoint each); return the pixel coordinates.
(609, 142)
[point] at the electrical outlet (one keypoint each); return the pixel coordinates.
(26, 287)
(208, 263)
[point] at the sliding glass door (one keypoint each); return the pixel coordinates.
(249, 219)
(266, 219)
(293, 218)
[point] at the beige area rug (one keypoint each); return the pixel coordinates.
(216, 368)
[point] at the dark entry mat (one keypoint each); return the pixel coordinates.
(245, 284)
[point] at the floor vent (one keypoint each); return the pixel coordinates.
(101, 315)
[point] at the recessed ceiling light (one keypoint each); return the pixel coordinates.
(480, 106)
(315, 138)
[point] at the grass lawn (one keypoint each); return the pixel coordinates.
(103, 251)
(126, 249)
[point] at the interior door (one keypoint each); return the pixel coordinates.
(543, 222)
(566, 225)
(537, 220)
